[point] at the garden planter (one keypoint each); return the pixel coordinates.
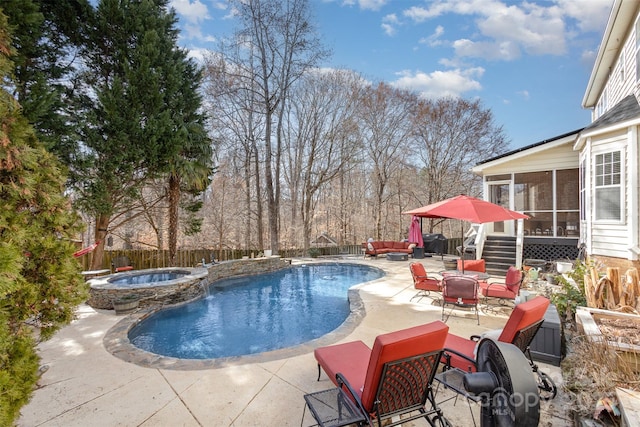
(125, 305)
(626, 341)
(450, 264)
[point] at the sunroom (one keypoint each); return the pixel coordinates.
(542, 180)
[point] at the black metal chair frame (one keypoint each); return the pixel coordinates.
(405, 387)
(502, 300)
(522, 340)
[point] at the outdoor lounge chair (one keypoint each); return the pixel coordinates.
(121, 263)
(520, 329)
(422, 282)
(508, 290)
(459, 291)
(393, 378)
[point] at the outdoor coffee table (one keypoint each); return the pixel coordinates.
(397, 256)
(332, 408)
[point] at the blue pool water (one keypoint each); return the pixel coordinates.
(255, 314)
(138, 279)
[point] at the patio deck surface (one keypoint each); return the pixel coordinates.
(85, 385)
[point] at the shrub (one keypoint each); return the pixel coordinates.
(571, 294)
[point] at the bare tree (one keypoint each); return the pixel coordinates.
(321, 142)
(237, 128)
(277, 44)
(385, 131)
(454, 134)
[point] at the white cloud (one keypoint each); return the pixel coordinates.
(388, 24)
(590, 15)
(437, 84)
(371, 4)
(434, 39)
(389, 30)
(505, 50)
(524, 94)
(198, 54)
(220, 5)
(194, 12)
(588, 57)
(507, 29)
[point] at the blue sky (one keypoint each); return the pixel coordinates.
(529, 62)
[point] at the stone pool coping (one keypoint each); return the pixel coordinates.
(116, 341)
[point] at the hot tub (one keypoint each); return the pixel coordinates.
(157, 285)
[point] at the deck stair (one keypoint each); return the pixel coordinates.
(499, 253)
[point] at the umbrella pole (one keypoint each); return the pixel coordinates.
(462, 255)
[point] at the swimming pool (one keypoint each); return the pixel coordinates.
(255, 314)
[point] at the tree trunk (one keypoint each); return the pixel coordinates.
(102, 225)
(174, 204)
(259, 210)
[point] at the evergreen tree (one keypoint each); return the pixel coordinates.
(40, 284)
(138, 115)
(46, 35)
(190, 170)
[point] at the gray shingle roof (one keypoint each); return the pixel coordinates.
(627, 109)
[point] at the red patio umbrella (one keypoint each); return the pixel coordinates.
(467, 208)
(415, 232)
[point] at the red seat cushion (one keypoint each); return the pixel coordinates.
(496, 290)
(363, 367)
(464, 346)
(350, 359)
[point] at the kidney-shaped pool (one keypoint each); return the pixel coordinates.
(255, 314)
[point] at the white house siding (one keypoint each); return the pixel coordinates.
(620, 84)
(611, 238)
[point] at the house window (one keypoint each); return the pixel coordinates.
(608, 187)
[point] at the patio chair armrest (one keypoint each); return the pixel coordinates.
(446, 353)
(344, 385)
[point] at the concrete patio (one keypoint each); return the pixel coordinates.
(85, 385)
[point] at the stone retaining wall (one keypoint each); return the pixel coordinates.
(167, 294)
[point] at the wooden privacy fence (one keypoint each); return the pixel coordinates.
(141, 259)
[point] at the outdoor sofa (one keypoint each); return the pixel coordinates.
(375, 248)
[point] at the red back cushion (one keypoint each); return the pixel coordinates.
(512, 279)
(399, 345)
(472, 265)
(524, 315)
(400, 245)
(378, 245)
(417, 270)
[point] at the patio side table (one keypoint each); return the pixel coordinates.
(333, 408)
